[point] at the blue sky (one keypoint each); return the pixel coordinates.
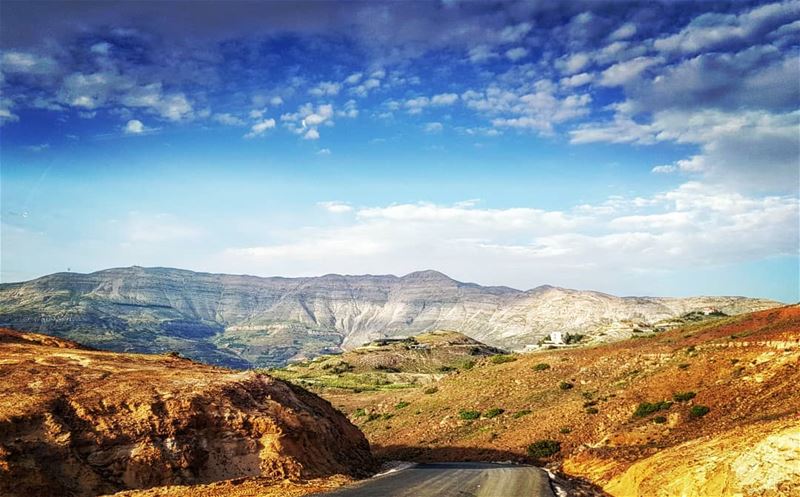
(628, 147)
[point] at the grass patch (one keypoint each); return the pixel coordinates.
(493, 413)
(698, 411)
(565, 385)
(542, 366)
(683, 396)
(647, 408)
(502, 358)
(521, 413)
(402, 404)
(543, 448)
(468, 415)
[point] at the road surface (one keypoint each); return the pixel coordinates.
(457, 479)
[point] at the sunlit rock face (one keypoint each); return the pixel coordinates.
(245, 321)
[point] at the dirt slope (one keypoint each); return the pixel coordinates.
(745, 370)
(82, 422)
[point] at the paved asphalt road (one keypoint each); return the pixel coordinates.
(453, 480)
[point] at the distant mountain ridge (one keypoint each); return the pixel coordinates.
(242, 321)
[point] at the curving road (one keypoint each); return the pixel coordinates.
(458, 479)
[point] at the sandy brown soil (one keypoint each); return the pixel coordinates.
(83, 422)
(745, 370)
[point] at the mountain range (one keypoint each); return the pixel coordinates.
(245, 321)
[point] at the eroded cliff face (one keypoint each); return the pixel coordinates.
(83, 423)
(244, 321)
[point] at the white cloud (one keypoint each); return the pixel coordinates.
(625, 72)
(324, 151)
(516, 53)
(261, 127)
(336, 207)
(276, 101)
(433, 127)
(623, 32)
(229, 119)
(444, 99)
(26, 63)
(574, 63)
(713, 30)
(515, 33)
(354, 78)
(311, 134)
(692, 226)
(748, 149)
(481, 53)
(577, 80)
(415, 105)
(326, 89)
(134, 127)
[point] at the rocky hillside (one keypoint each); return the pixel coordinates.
(707, 409)
(241, 321)
(81, 422)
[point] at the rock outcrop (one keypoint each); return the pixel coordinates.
(80, 422)
(242, 321)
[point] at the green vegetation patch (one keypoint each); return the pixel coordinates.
(565, 385)
(698, 411)
(683, 396)
(521, 413)
(592, 410)
(502, 358)
(493, 413)
(543, 448)
(542, 366)
(468, 415)
(660, 420)
(402, 404)
(647, 408)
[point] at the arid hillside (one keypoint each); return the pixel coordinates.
(708, 409)
(247, 321)
(79, 422)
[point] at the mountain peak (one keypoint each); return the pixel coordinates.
(427, 274)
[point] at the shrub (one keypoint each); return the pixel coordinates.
(402, 404)
(565, 385)
(543, 448)
(360, 412)
(502, 358)
(465, 414)
(591, 410)
(698, 411)
(590, 403)
(494, 412)
(467, 365)
(570, 338)
(387, 416)
(541, 366)
(648, 408)
(430, 390)
(683, 366)
(660, 420)
(683, 396)
(521, 413)
(565, 430)
(373, 416)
